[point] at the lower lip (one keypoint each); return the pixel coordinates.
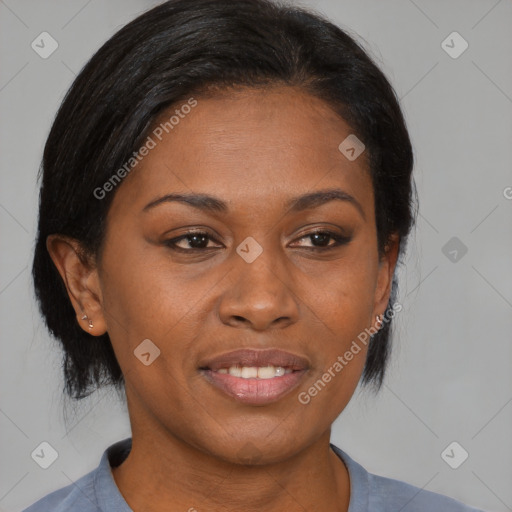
(254, 391)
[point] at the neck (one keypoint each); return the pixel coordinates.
(155, 478)
(164, 473)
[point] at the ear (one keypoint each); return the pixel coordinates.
(81, 279)
(386, 269)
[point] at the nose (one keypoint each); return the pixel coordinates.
(259, 295)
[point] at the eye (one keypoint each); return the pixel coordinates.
(195, 240)
(323, 238)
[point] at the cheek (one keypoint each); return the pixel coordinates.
(146, 301)
(141, 294)
(342, 294)
(148, 297)
(342, 299)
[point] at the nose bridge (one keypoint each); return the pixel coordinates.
(260, 292)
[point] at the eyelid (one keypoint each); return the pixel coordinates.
(200, 231)
(311, 230)
(337, 237)
(340, 239)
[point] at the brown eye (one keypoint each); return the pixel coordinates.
(321, 240)
(196, 241)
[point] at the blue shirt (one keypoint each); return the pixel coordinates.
(97, 491)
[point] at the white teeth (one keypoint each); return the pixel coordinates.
(253, 372)
(249, 372)
(280, 371)
(268, 372)
(236, 371)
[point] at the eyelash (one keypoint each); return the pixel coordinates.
(339, 241)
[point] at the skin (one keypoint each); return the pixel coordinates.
(254, 149)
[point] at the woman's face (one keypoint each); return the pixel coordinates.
(256, 278)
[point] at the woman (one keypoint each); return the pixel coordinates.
(226, 193)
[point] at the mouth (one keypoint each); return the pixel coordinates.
(255, 377)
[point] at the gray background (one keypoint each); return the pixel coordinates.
(450, 378)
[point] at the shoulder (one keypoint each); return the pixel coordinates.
(371, 492)
(94, 492)
(76, 496)
(391, 493)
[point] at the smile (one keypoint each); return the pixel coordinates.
(254, 372)
(255, 377)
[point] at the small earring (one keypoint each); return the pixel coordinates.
(85, 317)
(379, 321)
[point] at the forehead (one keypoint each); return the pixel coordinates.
(246, 146)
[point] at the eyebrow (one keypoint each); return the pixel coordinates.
(211, 204)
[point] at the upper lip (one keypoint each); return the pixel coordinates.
(258, 358)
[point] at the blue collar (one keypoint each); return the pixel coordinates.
(110, 498)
